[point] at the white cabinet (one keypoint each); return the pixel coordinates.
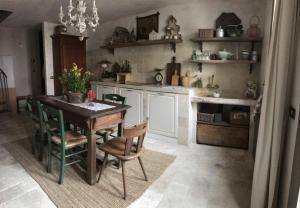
(162, 110)
(134, 98)
(100, 89)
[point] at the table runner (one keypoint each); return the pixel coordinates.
(90, 105)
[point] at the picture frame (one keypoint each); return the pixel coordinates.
(145, 25)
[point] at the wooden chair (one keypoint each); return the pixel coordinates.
(105, 133)
(64, 145)
(125, 149)
(35, 112)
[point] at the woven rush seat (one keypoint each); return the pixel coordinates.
(71, 139)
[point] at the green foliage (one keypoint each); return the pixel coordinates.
(74, 80)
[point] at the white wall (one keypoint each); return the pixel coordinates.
(14, 42)
(191, 17)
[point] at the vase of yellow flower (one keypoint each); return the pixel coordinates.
(75, 82)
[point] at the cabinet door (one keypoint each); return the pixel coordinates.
(67, 49)
(134, 98)
(163, 114)
(104, 90)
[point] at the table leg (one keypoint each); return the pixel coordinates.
(121, 125)
(120, 129)
(120, 133)
(91, 159)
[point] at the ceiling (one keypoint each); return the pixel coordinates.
(27, 13)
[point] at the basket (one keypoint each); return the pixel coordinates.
(206, 33)
(206, 117)
(239, 118)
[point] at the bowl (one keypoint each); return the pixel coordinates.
(216, 94)
(233, 30)
(224, 55)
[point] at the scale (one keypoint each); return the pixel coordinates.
(158, 77)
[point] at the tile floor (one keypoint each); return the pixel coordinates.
(201, 176)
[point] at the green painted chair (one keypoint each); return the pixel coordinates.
(65, 145)
(105, 133)
(35, 112)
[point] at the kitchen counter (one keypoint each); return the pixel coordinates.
(148, 87)
(168, 108)
(229, 101)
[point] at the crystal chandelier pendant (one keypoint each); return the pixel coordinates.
(77, 17)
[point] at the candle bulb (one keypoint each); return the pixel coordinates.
(61, 14)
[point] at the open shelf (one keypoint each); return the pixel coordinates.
(143, 43)
(200, 41)
(227, 39)
(200, 62)
(223, 123)
(224, 61)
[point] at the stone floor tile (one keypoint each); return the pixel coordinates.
(33, 199)
(201, 176)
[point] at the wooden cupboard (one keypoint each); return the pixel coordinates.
(67, 49)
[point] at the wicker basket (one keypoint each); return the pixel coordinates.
(239, 118)
(206, 117)
(206, 33)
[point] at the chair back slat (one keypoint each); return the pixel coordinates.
(137, 131)
(35, 110)
(55, 116)
(114, 98)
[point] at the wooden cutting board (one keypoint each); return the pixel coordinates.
(175, 79)
(171, 69)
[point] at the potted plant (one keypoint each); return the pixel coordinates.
(74, 83)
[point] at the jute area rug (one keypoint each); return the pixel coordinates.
(75, 192)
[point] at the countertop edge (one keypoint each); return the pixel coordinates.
(154, 88)
(230, 101)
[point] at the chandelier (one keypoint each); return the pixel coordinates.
(78, 18)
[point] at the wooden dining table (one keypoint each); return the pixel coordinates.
(91, 121)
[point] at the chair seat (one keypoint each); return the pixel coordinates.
(71, 138)
(116, 147)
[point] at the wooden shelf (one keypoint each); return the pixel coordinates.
(200, 41)
(223, 123)
(143, 43)
(227, 39)
(224, 61)
(200, 62)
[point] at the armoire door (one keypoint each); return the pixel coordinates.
(67, 49)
